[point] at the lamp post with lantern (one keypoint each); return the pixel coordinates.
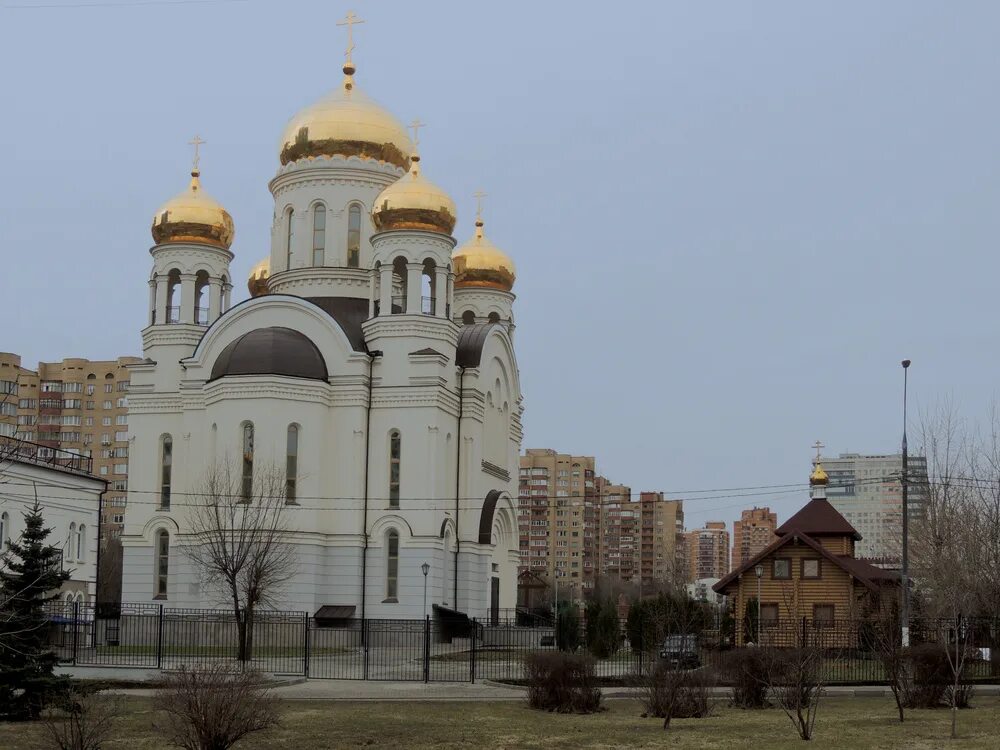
(425, 569)
(759, 570)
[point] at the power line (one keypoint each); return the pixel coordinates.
(107, 4)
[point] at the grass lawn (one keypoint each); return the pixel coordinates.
(853, 723)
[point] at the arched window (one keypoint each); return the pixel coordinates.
(162, 564)
(392, 566)
(288, 239)
(395, 448)
(4, 530)
(319, 234)
(428, 283)
(354, 236)
(70, 542)
(247, 488)
(166, 466)
(468, 318)
(173, 312)
(494, 317)
(81, 543)
(291, 463)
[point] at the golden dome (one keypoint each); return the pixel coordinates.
(480, 263)
(818, 477)
(193, 216)
(257, 283)
(346, 123)
(413, 202)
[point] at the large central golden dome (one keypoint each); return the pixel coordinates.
(346, 123)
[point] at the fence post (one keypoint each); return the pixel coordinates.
(472, 657)
(427, 648)
(804, 641)
(305, 659)
(365, 636)
(159, 638)
(76, 627)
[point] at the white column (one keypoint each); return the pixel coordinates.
(187, 298)
(152, 301)
(214, 299)
(413, 287)
(441, 292)
(226, 296)
(385, 290)
(371, 293)
(161, 282)
(451, 294)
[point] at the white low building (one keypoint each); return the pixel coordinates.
(69, 497)
(374, 365)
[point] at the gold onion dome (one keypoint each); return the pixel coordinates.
(480, 263)
(414, 202)
(346, 123)
(193, 216)
(818, 477)
(257, 283)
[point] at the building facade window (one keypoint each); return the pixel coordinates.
(781, 569)
(4, 530)
(166, 469)
(288, 239)
(395, 453)
(70, 542)
(291, 463)
(811, 568)
(354, 236)
(769, 615)
(823, 615)
(81, 543)
(162, 564)
(247, 487)
(319, 234)
(392, 566)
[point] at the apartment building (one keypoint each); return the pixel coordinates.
(662, 551)
(558, 517)
(866, 490)
(752, 533)
(619, 532)
(707, 551)
(76, 406)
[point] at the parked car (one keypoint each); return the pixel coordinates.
(681, 651)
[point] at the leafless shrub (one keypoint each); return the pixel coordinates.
(795, 676)
(214, 707)
(745, 670)
(670, 693)
(562, 682)
(84, 720)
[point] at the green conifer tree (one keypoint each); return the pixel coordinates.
(30, 576)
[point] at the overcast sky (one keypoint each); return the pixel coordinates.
(731, 221)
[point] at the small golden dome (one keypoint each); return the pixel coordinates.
(480, 263)
(257, 283)
(818, 477)
(414, 202)
(193, 216)
(346, 123)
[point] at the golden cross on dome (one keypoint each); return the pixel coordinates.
(349, 21)
(196, 142)
(415, 126)
(818, 446)
(479, 195)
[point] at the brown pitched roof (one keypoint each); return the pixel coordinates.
(867, 574)
(818, 518)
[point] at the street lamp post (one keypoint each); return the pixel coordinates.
(904, 483)
(425, 569)
(759, 570)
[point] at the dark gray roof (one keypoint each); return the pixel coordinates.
(471, 340)
(350, 313)
(271, 351)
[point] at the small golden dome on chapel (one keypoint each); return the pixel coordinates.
(193, 216)
(257, 282)
(480, 263)
(414, 202)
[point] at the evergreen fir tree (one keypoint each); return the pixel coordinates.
(30, 576)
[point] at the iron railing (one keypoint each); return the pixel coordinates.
(458, 649)
(22, 450)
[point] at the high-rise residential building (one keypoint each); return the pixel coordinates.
(707, 551)
(619, 531)
(866, 490)
(752, 533)
(76, 406)
(662, 554)
(558, 516)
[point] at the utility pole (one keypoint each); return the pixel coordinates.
(904, 482)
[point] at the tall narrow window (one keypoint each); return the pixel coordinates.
(319, 234)
(4, 530)
(81, 543)
(291, 463)
(247, 460)
(288, 239)
(354, 236)
(70, 542)
(166, 464)
(162, 564)
(392, 565)
(394, 455)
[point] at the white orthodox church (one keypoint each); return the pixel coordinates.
(373, 363)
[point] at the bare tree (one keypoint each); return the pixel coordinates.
(86, 721)
(214, 707)
(238, 542)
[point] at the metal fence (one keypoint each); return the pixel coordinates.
(436, 650)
